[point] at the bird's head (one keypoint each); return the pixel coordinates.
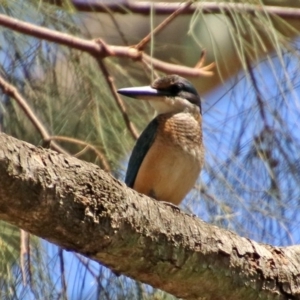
(169, 94)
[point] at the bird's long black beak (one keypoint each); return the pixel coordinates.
(141, 92)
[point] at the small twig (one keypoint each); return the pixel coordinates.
(97, 277)
(141, 45)
(12, 91)
(117, 26)
(81, 152)
(164, 8)
(24, 252)
(177, 69)
(118, 99)
(104, 163)
(62, 273)
(99, 50)
(31, 281)
(25, 260)
(258, 97)
(201, 62)
(85, 262)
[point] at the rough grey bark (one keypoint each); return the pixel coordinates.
(81, 208)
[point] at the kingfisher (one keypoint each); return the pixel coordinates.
(168, 156)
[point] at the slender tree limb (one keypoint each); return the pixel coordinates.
(97, 277)
(117, 26)
(63, 292)
(12, 91)
(81, 208)
(98, 48)
(161, 8)
(110, 82)
(141, 45)
(259, 99)
(176, 69)
(24, 254)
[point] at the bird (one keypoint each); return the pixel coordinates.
(169, 154)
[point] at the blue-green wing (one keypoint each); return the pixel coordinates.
(140, 150)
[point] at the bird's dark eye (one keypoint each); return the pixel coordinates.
(176, 88)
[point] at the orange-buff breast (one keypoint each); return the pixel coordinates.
(173, 162)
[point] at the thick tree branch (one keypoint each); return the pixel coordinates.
(161, 8)
(99, 49)
(81, 208)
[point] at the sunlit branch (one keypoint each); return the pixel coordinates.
(24, 254)
(62, 272)
(141, 45)
(110, 82)
(12, 91)
(97, 48)
(162, 8)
